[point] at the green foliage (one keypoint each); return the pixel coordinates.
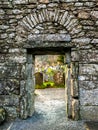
(60, 58)
(60, 86)
(50, 71)
(49, 84)
(40, 86)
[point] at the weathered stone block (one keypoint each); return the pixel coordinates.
(74, 70)
(29, 70)
(89, 4)
(2, 87)
(30, 58)
(88, 69)
(92, 34)
(64, 18)
(83, 15)
(9, 100)
(88, 85)
(44, 1)
(22, 87)
(82, 40)
(30, 102)
(88, 97)
(90, 78)
(69, 107)
(74, 88)
(23, 73)
(12, 86)
(94, 14)
(41, 6)
(32, 1)
(9, 86)
(23, 107)
(75, 109)
(91, 28)
(4, 36)
(2, 11)
(30, 86)
(71, 24)
(4, 27)
(87, 22)
(11, 112)
(94, 41)
(68, 59)
(74, 56)
(87, 56)
(2, 115)
(11, 70)
(50, 37)
(16, 11)
(17, 2)
(89, 113)
(68, 92)
(78, 4)
(69, 18)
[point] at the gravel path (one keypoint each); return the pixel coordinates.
(50, 114)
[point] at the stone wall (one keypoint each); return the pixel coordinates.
(31, 24)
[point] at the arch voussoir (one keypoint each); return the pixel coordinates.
(61, 17)
(25, 24)
(75, 30)
(72, 24)
(30, 21)
(64, 18)
(31, 17)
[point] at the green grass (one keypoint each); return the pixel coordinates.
(49, 84)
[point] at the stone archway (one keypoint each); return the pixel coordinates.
(33, 34)
(37, 26)
(55, 16)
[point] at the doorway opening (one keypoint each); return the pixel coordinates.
(50, 87)
(53, 97)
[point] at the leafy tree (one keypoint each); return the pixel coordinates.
(60, 58)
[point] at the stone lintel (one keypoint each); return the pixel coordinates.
(50, 40)
(49, 37)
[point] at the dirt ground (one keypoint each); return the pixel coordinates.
(50, 114)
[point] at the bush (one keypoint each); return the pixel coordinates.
(49, 84)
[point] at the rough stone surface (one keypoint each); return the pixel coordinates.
(38, 78)
(83, 15)
(88, 98)
(88, 69)
(2, 115)
(75, 109)
(89, 113)
(59, 78)
(74, 88)
(26, 26)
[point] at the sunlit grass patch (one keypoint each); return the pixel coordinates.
(49, 84)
